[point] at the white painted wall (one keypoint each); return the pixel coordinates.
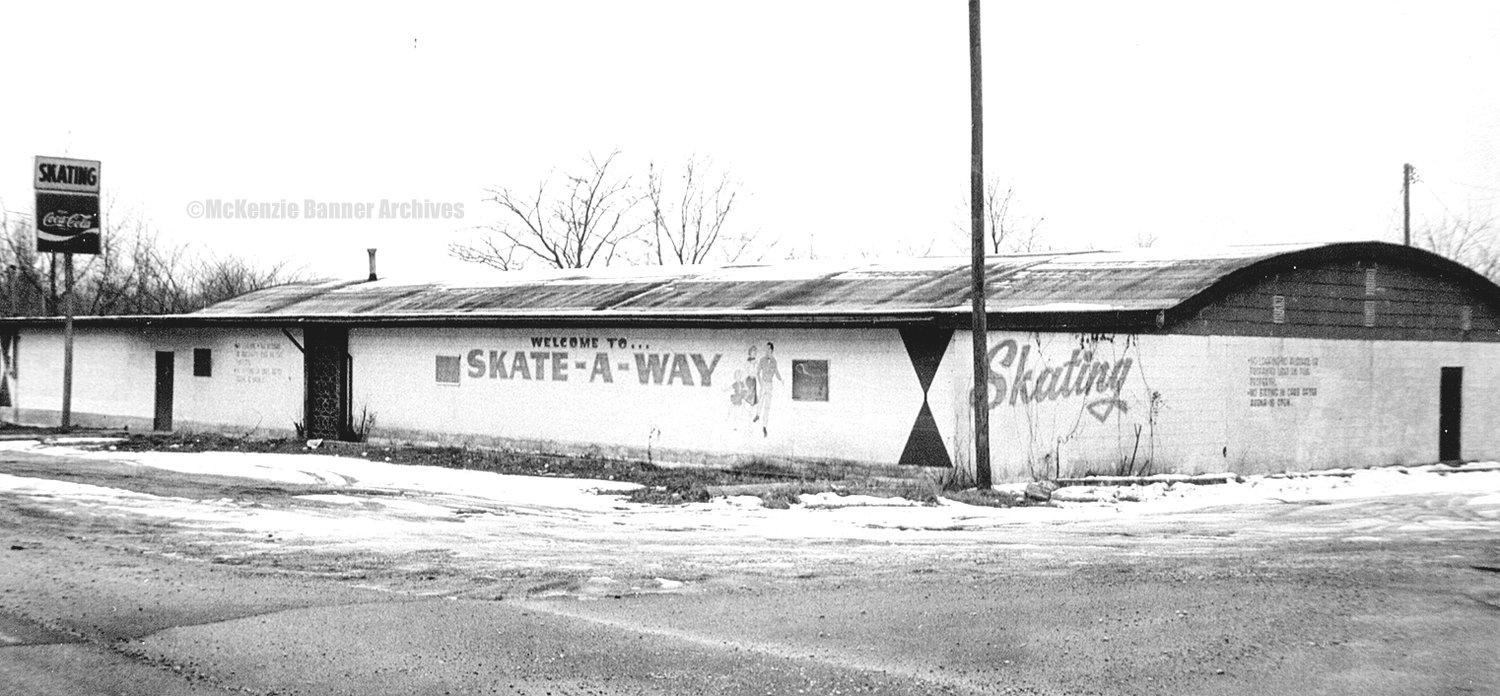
(1184, 404)
(256, 381)
(1221, 403)
(874, 394)
(113, 372)
(257, 378)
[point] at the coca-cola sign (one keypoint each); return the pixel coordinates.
(67, 222)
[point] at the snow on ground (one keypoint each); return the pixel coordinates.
(1330, 485)
(402, 506)
(336, 471)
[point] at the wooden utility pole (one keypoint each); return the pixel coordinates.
(980, 325)
(1407, 174)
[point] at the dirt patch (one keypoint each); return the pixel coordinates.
(659, 484)
(777, 487)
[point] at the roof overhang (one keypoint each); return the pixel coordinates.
(1133, 320)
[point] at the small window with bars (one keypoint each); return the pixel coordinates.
(1278, 309)
(1465, 318)
(1370, 281)
(1370, 313)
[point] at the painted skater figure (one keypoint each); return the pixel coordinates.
(739, 402)
(767, 374)
(752, 371)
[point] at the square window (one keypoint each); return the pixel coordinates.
(203, 362)
(809, 380)
(447, 369)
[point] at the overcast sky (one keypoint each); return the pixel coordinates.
(846, 122)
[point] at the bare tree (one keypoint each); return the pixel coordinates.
(223, 277)
(808, 252)
(1007, 233)
(1472, 240)
(688, 219)
(135, 273)
(28, 284)
(915, 246)
(602, 217)
(590, 222)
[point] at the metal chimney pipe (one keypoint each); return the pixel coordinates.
(372, 265)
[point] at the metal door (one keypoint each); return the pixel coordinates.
(326, 361)
(1450, 413)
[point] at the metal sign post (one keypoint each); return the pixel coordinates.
(67, 221)
(67, 395)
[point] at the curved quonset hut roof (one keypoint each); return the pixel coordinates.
(1117, 289)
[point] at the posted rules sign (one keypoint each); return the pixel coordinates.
(67, 205)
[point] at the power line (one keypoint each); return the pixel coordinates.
(1495, 192)
(1436, 197)
(1486, 188)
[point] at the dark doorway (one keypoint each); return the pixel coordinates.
(327, 372)
(165, 371)
(1450, 413)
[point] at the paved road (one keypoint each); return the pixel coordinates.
(178, 588)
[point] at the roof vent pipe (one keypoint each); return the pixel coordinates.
(372, 265)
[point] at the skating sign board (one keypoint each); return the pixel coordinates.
(63, 174)
(67, 205)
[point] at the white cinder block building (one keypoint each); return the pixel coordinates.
(1243, 359)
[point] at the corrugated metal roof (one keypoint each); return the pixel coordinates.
(1081, 282)
(1093, 290)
